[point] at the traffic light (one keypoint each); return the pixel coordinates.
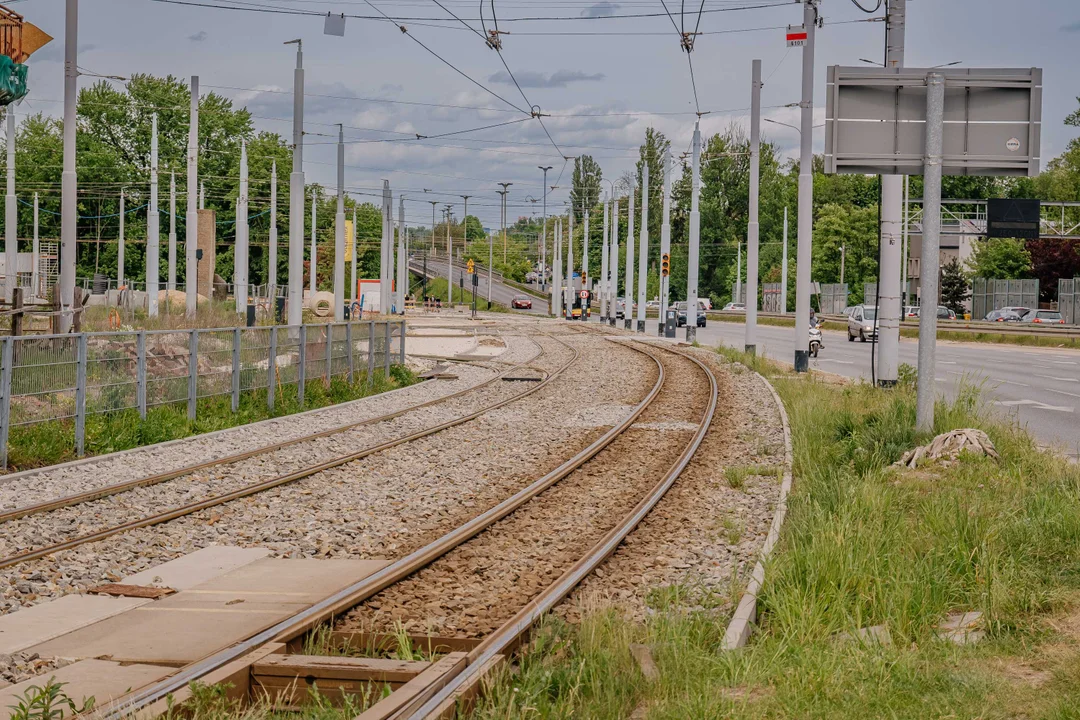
(665, 264)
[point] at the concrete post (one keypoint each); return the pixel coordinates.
(240, 253)
(695, 237)
(80, 388)
(665, 237)
(339, 232)
(352, 262)
(752, 228)
(35, 259)
(904, 254)
(806, 194)
(402, 265)
(153, 227)
(613, 268)
(313, 255)
(171, 280)
(296, 196)
(193, 366)
(272, 256)
(585, 255)
(931, 258)
(191, 239)
(140, 372)
(271, 369)
(628, 290)
(202, 194)
(449, 261)
(120, 245)
(556, 270)
(783, 270)
(602, 286)
(568, 295)
(68, 182)
(11, 211)
(301, 371)
(643, 254)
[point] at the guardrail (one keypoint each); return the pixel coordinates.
(66, 378)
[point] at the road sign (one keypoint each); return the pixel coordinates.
(796, 35)
(471, 266)
(1012, 218)
(876, 117)
(584, 294)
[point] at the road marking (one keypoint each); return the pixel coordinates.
(946, 362)
(1035, 405)
(1010, 382)
(1062, 392)
(1064, 362)
(839, 362)
(1059, 379)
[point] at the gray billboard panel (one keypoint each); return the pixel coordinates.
(876, 117)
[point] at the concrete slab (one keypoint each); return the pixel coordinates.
(194, 623)
(198, 567)
(100, 679)
(37, 624)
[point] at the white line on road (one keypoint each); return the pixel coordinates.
(1059, 379)
(1010, 382)
(1035, 405)
(839, 362)
(1064, 362)
(1062, 392)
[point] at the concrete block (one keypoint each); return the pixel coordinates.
(101, 679)
(40, 623)
(198, 567)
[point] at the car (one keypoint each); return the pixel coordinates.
(734, 307)
(680, 313)
(848, 310)
(531, 277)
(1045, 317)
(862, 323)
(1008, 314)
(945, 313)
(652, 305)
(911, 311)
(521, 302)
(620, 308)
(705, 303)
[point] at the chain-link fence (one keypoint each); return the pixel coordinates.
(70, 377)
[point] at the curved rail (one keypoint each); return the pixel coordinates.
(395, 572)
(503, 638)
(116, 488)
(271, 483)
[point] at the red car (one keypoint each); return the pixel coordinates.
(521, 302)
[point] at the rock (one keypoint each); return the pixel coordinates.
(962, 628)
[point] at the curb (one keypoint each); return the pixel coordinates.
(742, 623)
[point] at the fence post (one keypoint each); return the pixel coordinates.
(8, 360)
(80, 395)
(401, 358)
(193, 373)
(140, 371)
(371, 354)
(386, 350)
(300, 379)
(271, 369)
(236, 369)
(329, 351)
(349, 346)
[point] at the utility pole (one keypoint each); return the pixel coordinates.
(313, 255)
(465, 233)
(543, 237)
(68, 183)
(296, 195)
(695, 237)
(402, 258)
(806, 194)
(753, 227)
(585, 258)
(931, 252)
(433, 204)
(506, 190)
(339, 231)
(386, 264)
(240, 255)
(904, 255)
(783, 270)
(153, 228)
(11, 230)
(613, 261)
(171, 282)
(449, 262)
(35, 260)
(890, 251)
(665, 237)
(604, 248)
(271, 264)
(740, 296)
(120, 246)
(556, 274)
(355, 252)
(568, 297)
(202, 194)
(643, 255)
(628, 290)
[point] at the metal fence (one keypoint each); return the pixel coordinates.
(770, 298)
(987, 295)
(833, 298)
(71, 377)
(1069, 300)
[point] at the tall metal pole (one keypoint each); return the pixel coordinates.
(272, 259)
(556, 273)
(783, 270)
(543, 237)
(35, 260)
(643, 254)
(506, 188)
(604, 248)
(68, 182)
(355, 252)
(843, 260)
(171, 281)
(296, 196)
(931, 257)
(613, 261)
(568, 297)
(120, 245)
(11, 230)
(339, 232)
(390, 275)
(665, 236)
(892, 191)
(433, 204)
(585, 256)
(628, 290)
(385, 276)
(752, 228)
(740, 296)
(695, 237)
(449, 262)
(806, 194)
(402, 260)
(904, 254)
(202, 194)
(313, 255)
(491, 243)
(240, 257)
(153, 227)
(191, 237)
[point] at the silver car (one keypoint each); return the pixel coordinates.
(862, 323)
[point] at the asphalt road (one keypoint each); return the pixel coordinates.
(500, 293)
(1039, 387)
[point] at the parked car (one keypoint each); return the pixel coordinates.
(1003, 316)
(531, 277)
(652, 305)
(706, 303)
(1046, 317)
(521, 302)
(620, 308)
(680, 313)
(862, 323)
(944, 313)
(734, 307)
(911, 311)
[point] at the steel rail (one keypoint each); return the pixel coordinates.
(509, 632)
(397, 571)
(116, 488)
(271, 483)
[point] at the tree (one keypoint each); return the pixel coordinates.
(954, 286)
(653, 151)
(1001, 258)
(856, 230)
(1051, 260)
(585, 189)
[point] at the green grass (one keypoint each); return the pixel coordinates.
(53, 442)
(864, 544)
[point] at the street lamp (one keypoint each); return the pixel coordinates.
(543, 237)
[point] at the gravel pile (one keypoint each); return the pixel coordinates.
(481, 584)
(21, 666)
(382, 506)
(701, 541)
(109, 469)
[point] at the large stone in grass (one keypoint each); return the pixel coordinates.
(962, 628)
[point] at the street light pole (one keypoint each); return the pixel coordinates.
(505, 186)
(491, 243)
(296, 195)
(191, 240)
(695, 238)
(752, 230)
(68, 184)
(543, 237)
(339, 231)
(806, 194)
(449, 262)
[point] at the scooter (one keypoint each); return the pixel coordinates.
(815, 340)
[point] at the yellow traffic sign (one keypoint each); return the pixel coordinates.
(471, 265)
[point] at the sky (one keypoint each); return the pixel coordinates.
(602, 78)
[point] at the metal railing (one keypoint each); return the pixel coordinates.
(68, 378)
